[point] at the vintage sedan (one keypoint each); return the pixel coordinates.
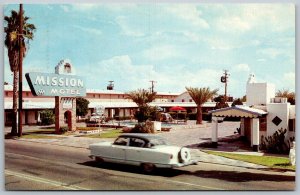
(146, 150)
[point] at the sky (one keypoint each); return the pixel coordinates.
(176, 45)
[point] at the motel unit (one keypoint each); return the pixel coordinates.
(115, 103)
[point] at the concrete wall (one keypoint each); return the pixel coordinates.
(60, 110)
(259, 93)
(280, 110)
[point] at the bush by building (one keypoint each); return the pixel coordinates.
(276, 143)
(47, 117)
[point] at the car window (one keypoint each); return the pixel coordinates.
(122, 141)
(136, 142)
(157, 141)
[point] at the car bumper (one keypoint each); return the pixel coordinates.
(177, 165)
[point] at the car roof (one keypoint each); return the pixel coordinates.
(141, 135)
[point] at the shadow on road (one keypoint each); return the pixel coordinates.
(134, 169)
(234, 176)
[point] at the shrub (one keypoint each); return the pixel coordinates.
(276, 143)
(147, 127)
(206, 116)
(192, 116)
(146, 113)
(47, 117)
(64, 129)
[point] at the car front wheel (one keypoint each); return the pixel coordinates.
(148, 167)
(99, 159)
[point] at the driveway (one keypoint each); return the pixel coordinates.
(198, 133)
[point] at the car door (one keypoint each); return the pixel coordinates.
(118, 152)
(135, 150)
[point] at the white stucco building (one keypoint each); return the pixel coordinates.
(262, 115)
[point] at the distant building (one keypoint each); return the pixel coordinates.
(114, 102)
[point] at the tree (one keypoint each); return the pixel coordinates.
(142, 97)
(47, 117)
(220, 102)
(287, 94)
(82, 106)
(244, 98)
(14, 41)
(237, 102)
(200, 96)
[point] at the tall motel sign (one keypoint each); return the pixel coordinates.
(65, 86)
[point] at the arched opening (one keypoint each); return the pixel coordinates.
(67, 68)
(68, 118)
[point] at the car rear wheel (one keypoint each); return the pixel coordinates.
(148, 167)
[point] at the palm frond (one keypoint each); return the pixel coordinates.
(141, 96)
(201, 95)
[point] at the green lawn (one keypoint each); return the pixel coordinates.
(113, 133)
(269, 161)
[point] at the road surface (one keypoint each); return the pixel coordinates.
(36, 166)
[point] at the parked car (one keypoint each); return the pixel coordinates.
(97, 118)
(166, 117)
(146, 150)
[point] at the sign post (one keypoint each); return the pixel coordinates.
(65, 86)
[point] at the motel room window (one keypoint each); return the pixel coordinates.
(292, 125)
(182, 100)
(172, 100)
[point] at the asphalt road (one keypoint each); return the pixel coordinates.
(36, 166)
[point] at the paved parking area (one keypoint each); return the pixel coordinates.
(181, 135)
(200, 134)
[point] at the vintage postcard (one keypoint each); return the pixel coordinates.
(149, 96)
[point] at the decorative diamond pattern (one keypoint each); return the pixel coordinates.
(276, 120)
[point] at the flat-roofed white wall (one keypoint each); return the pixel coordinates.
(259, 93)
(292, 110)
(281, 110)
(184, 97)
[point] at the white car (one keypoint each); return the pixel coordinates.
(97, 118)
(146, 150)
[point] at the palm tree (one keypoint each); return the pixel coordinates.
(200, 96)
(287, 94)
(141, 97)
(13, 41)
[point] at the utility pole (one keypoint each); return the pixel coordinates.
(152, 86)
(20, 69)
(224, 79)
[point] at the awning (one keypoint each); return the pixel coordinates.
(238, 111)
